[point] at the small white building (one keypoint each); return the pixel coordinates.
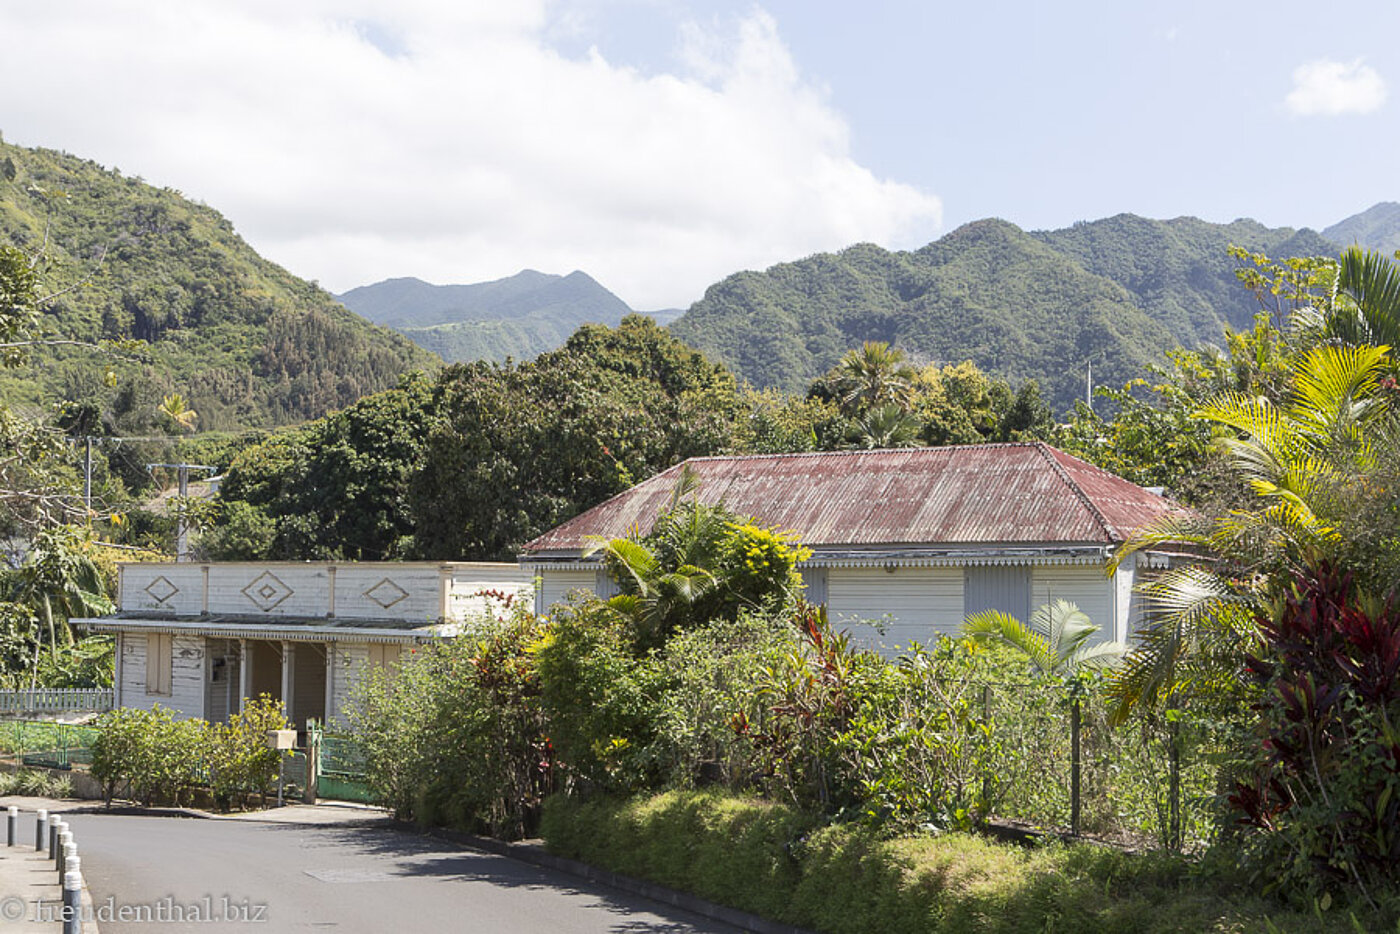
(907, 543)
(200, 638)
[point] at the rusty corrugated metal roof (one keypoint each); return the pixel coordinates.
(974, 494)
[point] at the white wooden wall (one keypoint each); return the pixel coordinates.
(468, 582)
(383, 591)
(187, 675)
(910, 604)
(556, 585)
(1086, 586)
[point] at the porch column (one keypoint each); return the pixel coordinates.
(288, 678)
(245, 673)
(330, 684)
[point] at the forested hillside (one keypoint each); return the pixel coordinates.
(521, 316)
(1112, 294)
(243, 341)
(1376, 228)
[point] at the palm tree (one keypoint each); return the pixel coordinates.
(887, 426)
(1308, 461)
(58, 581)
(1056, 641)
(1366, 300)
(685, 539)
(874, 375)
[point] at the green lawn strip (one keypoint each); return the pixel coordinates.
(775, 862)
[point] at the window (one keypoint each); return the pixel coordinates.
(1003, 588)
(158, 660)
(385, 656)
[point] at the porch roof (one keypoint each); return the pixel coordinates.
(283, 629)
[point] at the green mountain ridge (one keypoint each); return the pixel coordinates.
(1046, 305)
(245, 342)
(1376, 228)
(520, 316)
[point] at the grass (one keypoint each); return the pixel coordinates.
(845, 879)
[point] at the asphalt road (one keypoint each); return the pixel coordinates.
(182, 874)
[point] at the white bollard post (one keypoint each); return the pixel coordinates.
(73, 901)
(65, 840)
(13, 813)
(40, 824)
(54, 821)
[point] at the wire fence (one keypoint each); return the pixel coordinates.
(1059, 765)
(46, 744)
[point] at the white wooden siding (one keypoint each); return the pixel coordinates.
(910, 604)
(162, 588)
(350, 662)
(556, 585)
(380, 591)
(1086, 586)
(1127, 612)
(465, 598)
(187, 678)
(159, 657)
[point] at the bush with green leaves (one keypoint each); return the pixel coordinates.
(237, 759)
(154, 755)
(455, 735)
(600, 698)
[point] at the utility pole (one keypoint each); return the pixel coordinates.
(87, 479)
(1089, 388)
(182, 523)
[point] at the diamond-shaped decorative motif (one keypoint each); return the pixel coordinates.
(161, 589)
(386, 593)
(267, 591)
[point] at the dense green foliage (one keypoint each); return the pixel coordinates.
(1112, 294)
(246, 343)
(776, 861)
(454, 733)
(154, 757)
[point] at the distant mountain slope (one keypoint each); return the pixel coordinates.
(520, 316)
(1376, 228)
(244, 341)
(1178, 270)
(1111, 293)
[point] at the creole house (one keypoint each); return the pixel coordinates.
(906, 543)
(199, 638)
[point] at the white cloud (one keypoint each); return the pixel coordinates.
(1329, 88)
(353, 140)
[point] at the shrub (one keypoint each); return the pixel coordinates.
(599, 698)
(1323, 792)
(851, 879)
(156, 756)
(236, 755)
(455, 736)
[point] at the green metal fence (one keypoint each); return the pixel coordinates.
(46, 744)
(340, 767)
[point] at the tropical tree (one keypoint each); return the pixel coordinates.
(1310, 462)
(872, 376)
(698, 563)
(886, 426)
(1365, 303)
(1056, 641)
(57, 582)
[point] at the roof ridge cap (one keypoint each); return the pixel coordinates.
(1045, 452)
(857, 452)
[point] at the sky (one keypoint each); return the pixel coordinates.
(660, 145)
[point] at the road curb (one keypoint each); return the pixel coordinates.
(537, 855)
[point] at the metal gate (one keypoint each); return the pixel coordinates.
(340, 767)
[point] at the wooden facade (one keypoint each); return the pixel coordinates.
(200, 639)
